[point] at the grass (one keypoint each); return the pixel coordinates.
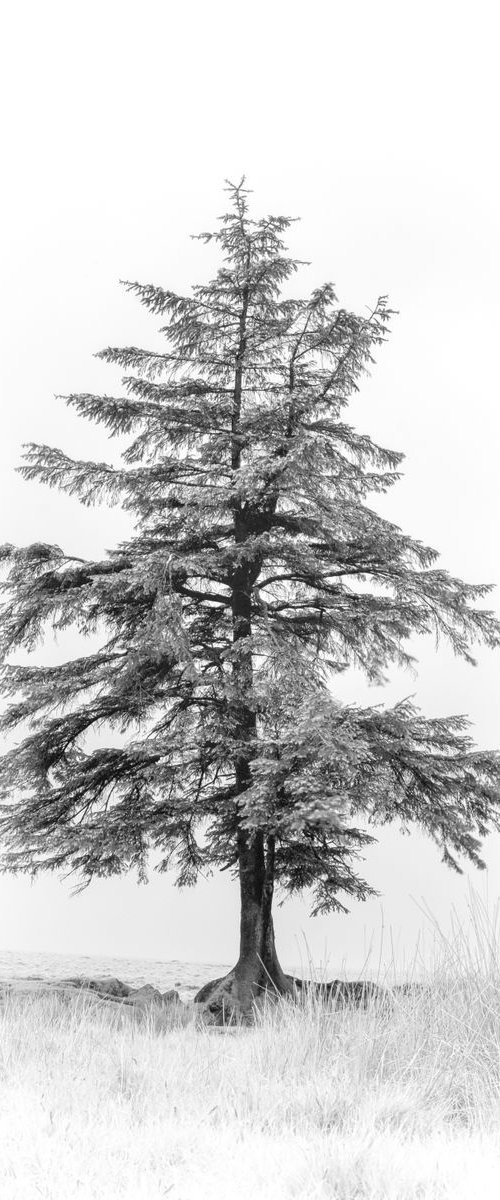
(396, 1103)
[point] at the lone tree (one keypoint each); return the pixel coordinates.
(255, 573)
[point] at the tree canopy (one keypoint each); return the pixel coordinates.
(256, 573)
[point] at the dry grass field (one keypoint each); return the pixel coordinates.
(398, 1102)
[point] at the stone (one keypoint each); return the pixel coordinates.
(217, 1004)
(107, 989)
(140, 997)
(207, 990)
(147, 994)
(409, 989)
(106, 986)
(341, 991)
(171, 997)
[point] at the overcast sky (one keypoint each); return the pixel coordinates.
(377, 124)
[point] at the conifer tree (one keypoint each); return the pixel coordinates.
(256, 572)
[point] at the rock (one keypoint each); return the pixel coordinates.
(206, 991)
(44, 987)
(114, 989)
(144, 995)
(218, 1006)
(107, 986)
(217, 1002)
(108, 990)
(409, 989)
(342, 991)
(140, 997)
(171, 997)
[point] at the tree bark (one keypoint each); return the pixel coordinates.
(257, 968)
(257, 971)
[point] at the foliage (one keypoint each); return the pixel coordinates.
(256, 572)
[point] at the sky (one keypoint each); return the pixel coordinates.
(376, 124)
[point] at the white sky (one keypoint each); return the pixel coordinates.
(377, 124)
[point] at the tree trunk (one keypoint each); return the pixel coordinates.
(258, 967)
(257, 971)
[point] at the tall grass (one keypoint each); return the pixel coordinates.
(393, 1103)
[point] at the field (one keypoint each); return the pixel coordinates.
(396, 1103)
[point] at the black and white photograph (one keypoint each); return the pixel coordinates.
(250, 601)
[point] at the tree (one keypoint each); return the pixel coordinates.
(256, 572)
